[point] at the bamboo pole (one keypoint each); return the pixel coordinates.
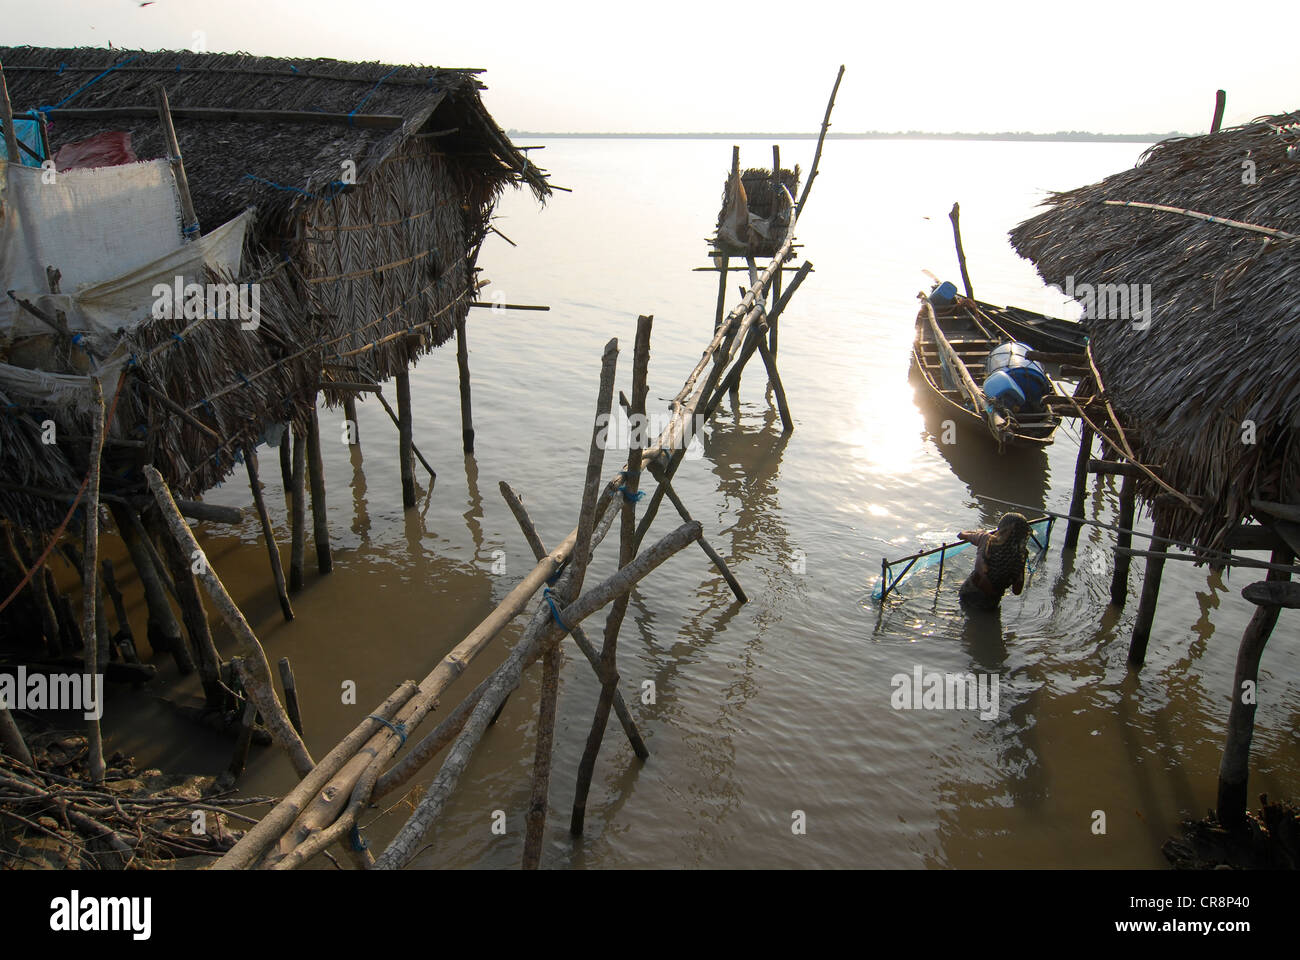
(89, 579)
(162, 630)
(267, 830)
(955, 216)
(320, 529)
(462, 364)
(268, 533)
(1119, 578)
(259, 685)
(1234, 768)
(404, 437)
(298, 512)
(579, 635)
(406, 843)
(190, 227)
(627, 552)
(1137, 648)
(821, 139)
(1207, 218)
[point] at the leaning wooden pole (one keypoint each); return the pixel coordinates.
(268, 533)
(190, 227)
(1234, 769)
(821, 139)
(258, 685)
(320, 528)
(955, 216)
(89, 579)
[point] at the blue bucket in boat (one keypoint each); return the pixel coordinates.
(943, 294)
(1002, 388)
(1012, 360)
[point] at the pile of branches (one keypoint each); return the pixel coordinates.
(53, 817)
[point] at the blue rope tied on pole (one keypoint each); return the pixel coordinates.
(178, 338)
(371, 93)
(397, 728)
(81, 89)
(242, 379)
(78, 341)
(358, 841)
(278, 186)
(555, 611)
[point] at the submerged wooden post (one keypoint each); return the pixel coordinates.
(297, 511)
(290, 694)
(90, 579)
(1234, 769)
(406, 467)
(350, 414)
(955, 216)
(320, 530)
(1146, 614)
(462, 364)
(1119, 578)
(1073, 525)
(268, 533)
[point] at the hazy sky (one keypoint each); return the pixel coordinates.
(1119, 67)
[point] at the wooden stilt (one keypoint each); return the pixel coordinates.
(123, 637)
(290, 694)
(713, 555)
(90, 578)
(298, 512)
(1146, 614)
(404, 425)
(722, 291)
(208, 661)
(1234, 769)
(774, 381)
(462, 363)
(163, 632)
(11, 738)
(320, 530)
(247, 720)
(1080, 487)
(268, 533)
(37, 585)
(535, 820)
(286, 460)
(350, 414)
(1119, 579)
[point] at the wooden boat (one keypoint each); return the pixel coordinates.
(952, 343)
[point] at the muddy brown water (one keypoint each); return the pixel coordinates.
(784, 704)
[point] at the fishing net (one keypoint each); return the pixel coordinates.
(1040, 534)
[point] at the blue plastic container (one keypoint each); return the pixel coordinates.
(1002, 388)
(943, 294)
(1012, 360)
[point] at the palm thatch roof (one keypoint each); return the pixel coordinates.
(1219, 363)
(358, 275)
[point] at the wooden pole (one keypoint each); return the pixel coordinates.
(268, 533)
(1234, 769)
(298, 512)
(1220, 101)
(627, 553)
(462, 364)
(7, 117)
(290, 694)
(90, 578)
(163, 632)
(1119, 579)
(11, 737)
(406, 467)
(1146, 614)
(1080, 487)
(350, 414)
(955, 216)
(821, 139)
(123, 637)
(40, 592)
(258, 683)
(774, 381)
(320, 529)
(190, 228)
(286, 460)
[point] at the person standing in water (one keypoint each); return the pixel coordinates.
(1000, 557)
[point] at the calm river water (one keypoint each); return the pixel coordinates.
(784, 704)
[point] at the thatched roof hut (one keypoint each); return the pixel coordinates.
(769, 212)
(371, 187)
(1211, 384)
